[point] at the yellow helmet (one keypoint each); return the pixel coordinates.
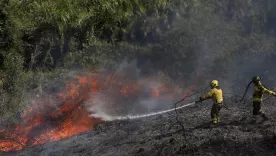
(214, 83)
(255, 79)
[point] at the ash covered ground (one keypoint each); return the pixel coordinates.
(163, 135)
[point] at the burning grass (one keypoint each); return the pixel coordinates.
(52, 118)
(55, 117)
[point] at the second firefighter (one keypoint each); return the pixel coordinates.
(259, 90)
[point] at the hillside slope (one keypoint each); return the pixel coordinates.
(163, 135)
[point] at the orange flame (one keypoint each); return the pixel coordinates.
(43, 124)
(52, 118)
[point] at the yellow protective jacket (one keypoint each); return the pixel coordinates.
(215, 94)
(259, 90)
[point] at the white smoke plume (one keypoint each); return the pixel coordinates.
(148, 98)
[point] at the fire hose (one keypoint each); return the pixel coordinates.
(107, 117)
(129, 117)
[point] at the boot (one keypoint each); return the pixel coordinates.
(218, 119)
(214, 120)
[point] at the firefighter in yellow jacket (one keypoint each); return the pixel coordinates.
(259, 90)
(216, 94)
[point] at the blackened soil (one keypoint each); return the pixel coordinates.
(163, 135)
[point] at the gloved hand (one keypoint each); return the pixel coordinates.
(200, 100)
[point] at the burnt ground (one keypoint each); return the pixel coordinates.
(163, 135)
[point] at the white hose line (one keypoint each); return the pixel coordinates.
(130, 117)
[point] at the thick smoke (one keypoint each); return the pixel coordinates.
(146, 94)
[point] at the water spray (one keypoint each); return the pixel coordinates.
(131, 117)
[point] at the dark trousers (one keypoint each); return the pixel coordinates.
(257, 108)
(215, 110)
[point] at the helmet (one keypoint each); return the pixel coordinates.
(256, 79)
(214, 83)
